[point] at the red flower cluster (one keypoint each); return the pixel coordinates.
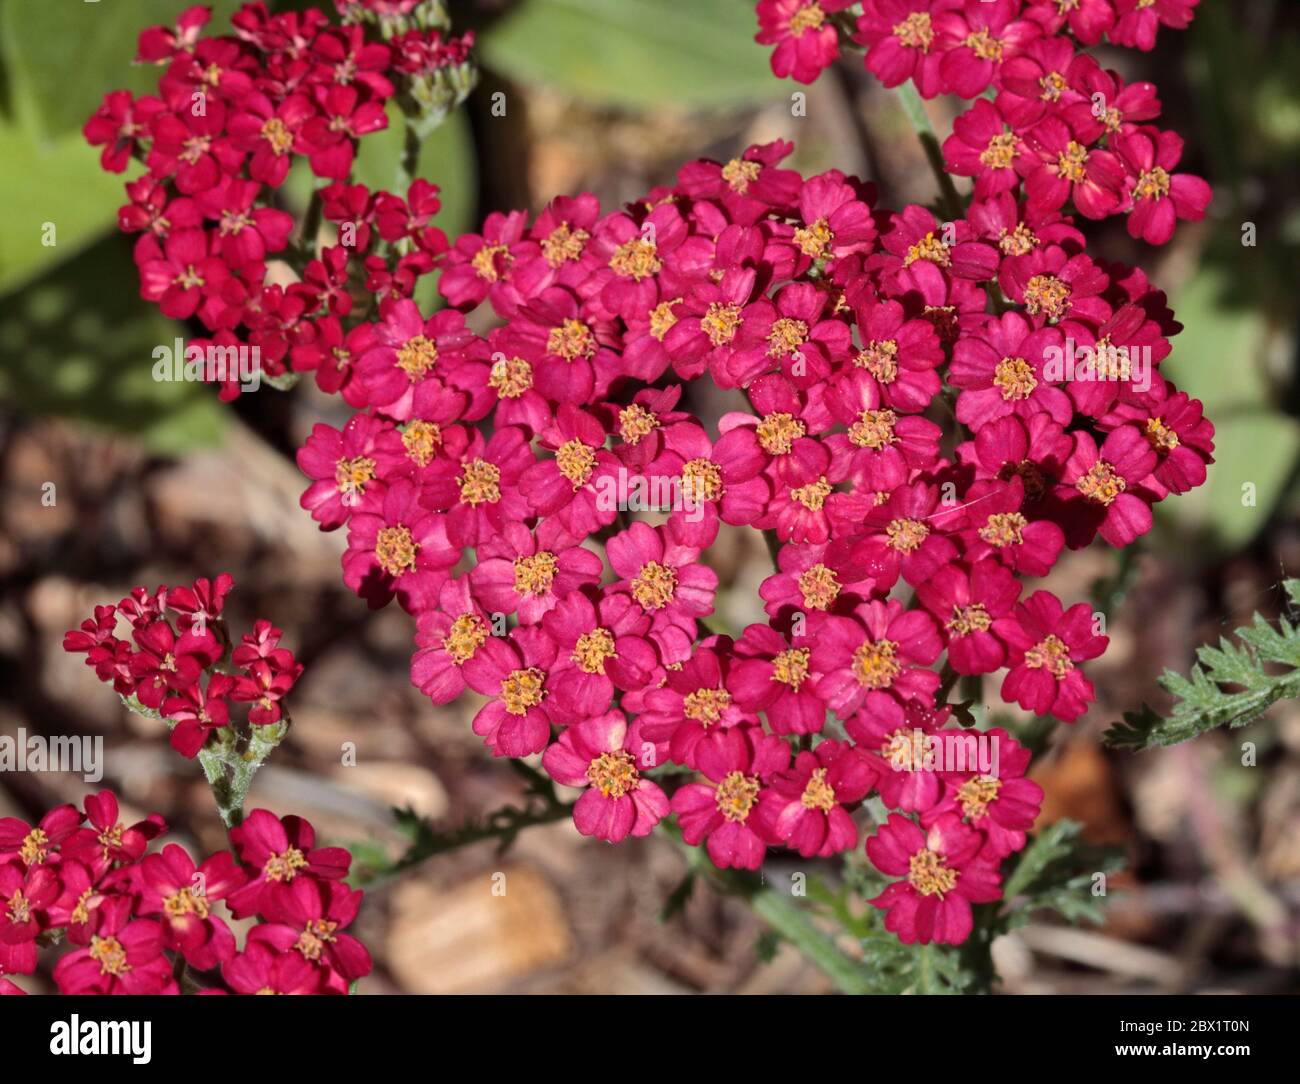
(1047, 114)
(171, 663)
(490, 482)
(232, 115)
(127, 915)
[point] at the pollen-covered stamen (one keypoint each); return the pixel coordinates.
(1015, 379)
(976, 795)
(701, 481)
(927, 873)
(111, 838)
(984, 45)
(492, 262)
(906, 535)
(195, 148)
(421, 440)
(564, 243)
(720, 321)
(1161, 437)
(571, 340)
(480, 483)
(706, 706)
(736, 795)
(284, 867)
(1004, 529)
(874, 429)
(790, 667)
(740, 173)
(396, 550)
(1072, 162)
(81, 912)
(466, 635)
(818, 794)
(815, 239)
(417, 356)
(636, 259)
(968, 619)
(575, 460)
(929, 248)
(35, 847)
(613, 774)
(1017, 242)
(904, 749)
(663, 319)
(874, 664)
(1051, 653)
(185, 901)
(635, 423)
(786, 336)
(534, 574)
(1153, 184)
(654, 585)
(808, 17)
(813, 495)
(318, 933)
(522, 690)
(189, 279)
(277, 134)
(819, 587)
(510, 377)
(1048, 295)
(1101, 484)
(1113, 362)
(233, 224)
(20, 907)
(1052, 86)
(1000, 151)
(778, 431)
(880, 359)
(915, 32)
(592, 649)
(351, 476)
(109, 954)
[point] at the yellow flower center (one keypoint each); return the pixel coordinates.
(576, 461)
(185, 902)
(786, 336)
(613, 774)
(466, 635)
(880, 359)
(654, 585)
(927, 873)
(736, 795)
(592, 649)
(813, 495)
(571, 340)
(720, 321)
(636, 423)
(416, 357)
(480, 482)
(1161, 437)
(984, 45)
(874, 664)
(1071, 162)
(421, 440)
(976, 795)
(1050, 652)
(1047, 294)
(906, 535)
(636, 259)
(484, 262)
(396, 550)
(873, 429)
(109, 954)
(285, 866)
(701, 481)
(819, 587)
(1000, 151)
(510, 377)
(915, 32)
(1004, 529)
(663, 319)
(522, 689)
(564, 243)
(1153, 184)
(534, 575)
(277, 133)
(968, 619)
(778, 431)
(929, 248)
(740, 173)
(818, 794)
(1015, 378)
(808, 17)
(706, 706)
(814, 240)
(1101, 483)
(790, 667)
(1017, 242)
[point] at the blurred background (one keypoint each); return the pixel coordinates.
(159, 483)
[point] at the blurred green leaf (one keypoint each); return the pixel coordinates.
(60, 183)
(69, 55)
(79, 343)
(1218, 359)
(635, 52)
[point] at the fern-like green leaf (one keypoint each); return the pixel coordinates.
(1231, 685)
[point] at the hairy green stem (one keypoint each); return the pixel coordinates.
(950, 201)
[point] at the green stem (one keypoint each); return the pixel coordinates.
(950, 201)
(794, 926)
